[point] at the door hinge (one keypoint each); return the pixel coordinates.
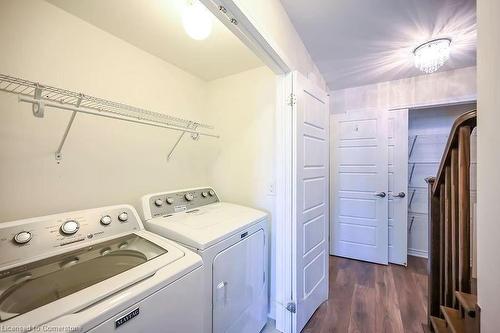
(292, 100)
(291, 307)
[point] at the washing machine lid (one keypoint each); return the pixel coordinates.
(109, 265)
(207, 225)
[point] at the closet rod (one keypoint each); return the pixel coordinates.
(95, 113)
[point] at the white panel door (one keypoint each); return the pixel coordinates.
(359, 187)
(397, 128)
(310, 206)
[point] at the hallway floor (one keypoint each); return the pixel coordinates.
(370, 298)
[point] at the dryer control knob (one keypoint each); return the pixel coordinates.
(211, 192)
(70, 227)
(123, 217)
(158, 202)
(170, 200)
(22, 237)
(106, 220)
(189, 196)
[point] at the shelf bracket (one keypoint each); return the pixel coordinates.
(411, 172)
(412, 146)
(38, 108)
(194, 136)
(411, 197)
(411, 223)
(58, 153)
(175, 146)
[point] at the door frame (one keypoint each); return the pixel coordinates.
(255, 37)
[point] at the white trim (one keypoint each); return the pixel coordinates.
(444, 102)
(248, 32)
(293, 203)
(418, 253)
(283, 231)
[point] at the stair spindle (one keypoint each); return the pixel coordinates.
(464, 208)
(454, 223)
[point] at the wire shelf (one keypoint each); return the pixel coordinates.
(70, 98)
(41, 96)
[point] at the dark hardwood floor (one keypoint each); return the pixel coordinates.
(370, 298)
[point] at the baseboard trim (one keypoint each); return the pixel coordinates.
(418, 253)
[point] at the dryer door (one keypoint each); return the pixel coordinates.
(239, 286)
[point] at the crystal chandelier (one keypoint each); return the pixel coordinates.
(431, 55)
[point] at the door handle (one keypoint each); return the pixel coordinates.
(220, 286)
(399, 195)
(380, 194)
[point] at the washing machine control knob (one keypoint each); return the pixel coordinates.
(204, 194)
(70, 227)
(158, 202)
(189, 196)
(211, 192)
(106, 220)
(123, 217)
(22, 237)
(170, 200)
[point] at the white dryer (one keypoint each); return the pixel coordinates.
(233, 243)
(96, 270)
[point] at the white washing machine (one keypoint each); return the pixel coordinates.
(232, 241)
(96, 270)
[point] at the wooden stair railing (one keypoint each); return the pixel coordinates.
(452, 307)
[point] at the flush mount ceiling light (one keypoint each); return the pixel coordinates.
(431, 55)
(197, 20)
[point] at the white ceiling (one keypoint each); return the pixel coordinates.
(358, 42)
(155, 26)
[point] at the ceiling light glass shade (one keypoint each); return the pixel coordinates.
(431, 55)
(197, 21)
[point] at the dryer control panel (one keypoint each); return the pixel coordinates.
(166, 203)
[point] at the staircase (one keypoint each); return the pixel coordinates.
(464, 320)
(452, 303)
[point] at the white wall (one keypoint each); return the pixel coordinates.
(437, 88)
(242, 107)
(488, 237)
(272, 21)
(105, 161)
